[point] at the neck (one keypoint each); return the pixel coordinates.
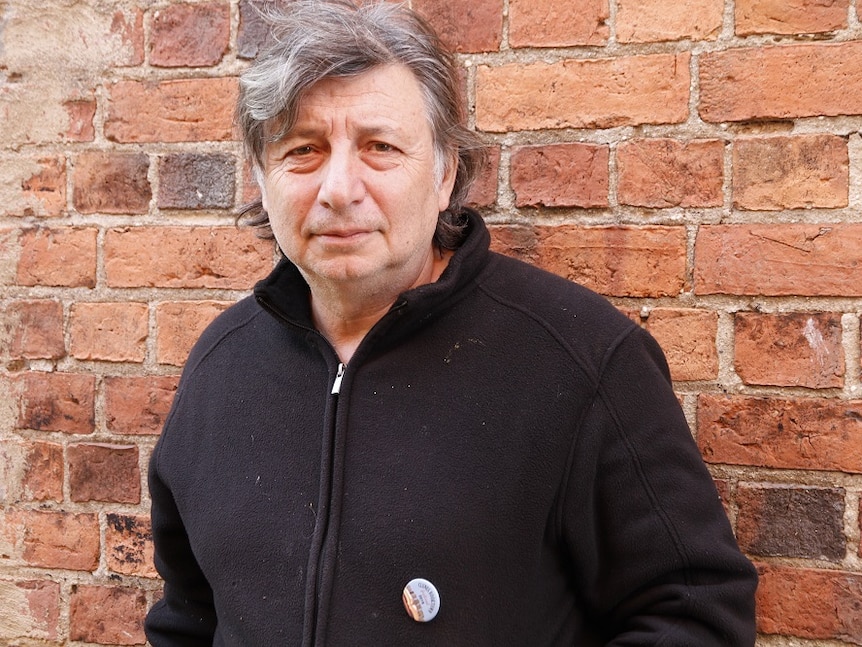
(344, 313)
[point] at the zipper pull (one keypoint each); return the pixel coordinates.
(336, 385)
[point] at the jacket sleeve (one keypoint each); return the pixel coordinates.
(185, 615)
(653, 553)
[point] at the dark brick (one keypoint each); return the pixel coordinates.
(100, 472)
(790, 521)
(252, 30)
(196, 181)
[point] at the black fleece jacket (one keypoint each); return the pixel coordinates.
(503, 433)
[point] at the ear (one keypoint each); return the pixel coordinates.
(447, 183)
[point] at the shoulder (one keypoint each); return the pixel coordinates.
(573, 311)
(237, 321)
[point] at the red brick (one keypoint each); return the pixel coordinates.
(583, 93)
(107, 615)
(53, 539)
(617, 261)
(42, 477)
(805, 433)
(180, 324)
(81, 113)
(810, 603)
(109, 182)
(196, 181)
(665, 20)
(179, 110)
(791, 521)
(789, 16)
(190, 35)
(57, 402)
(185, 257)
(561, 175)
(35, 329)
(129, 545)
(778, 259)
(777, 173)
(112, 332)
(662, 173)
(549, 23)
(138, 405)
(483, 193)
(99, 472)
(475, 26)
(687, 338)
(784, 82)
(795, 349)
(31, 609)
(63, 257)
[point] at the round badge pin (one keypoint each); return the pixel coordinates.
(421, 600)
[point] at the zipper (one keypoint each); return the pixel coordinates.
(339, 376)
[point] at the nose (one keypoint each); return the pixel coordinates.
(341, 183)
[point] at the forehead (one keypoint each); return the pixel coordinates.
(384, 96)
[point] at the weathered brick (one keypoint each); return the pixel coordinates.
(32, 187)
(687, 337)
(178, 110)
(129, 545)
(662, 173)
(52, 539)
(190, 35)
(107, 615)
(810, 603)
(112, 332)
(61, 257)
(110, 182)
(34, 329)
(81, 113)
(179, 324)
(784, 82)
(778, 259)
(805, 433)
(561, 175)
(665, 20)
(31, 609)
(789, 16)
(794, 349)
(252, 31)
(57, 402)
(776, 173)
(576, 93)
(475, 26)
(100, 472)
(196, 181)
(791, 521)
(138, 405)
(548, 23)
(617, 261)
(185, 257)
(42, 471)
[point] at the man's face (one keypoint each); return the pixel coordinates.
(351, 190)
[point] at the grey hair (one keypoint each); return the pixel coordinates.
(311, 40)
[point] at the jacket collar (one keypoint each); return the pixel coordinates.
(285, 294)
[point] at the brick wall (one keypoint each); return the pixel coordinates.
(697, 162)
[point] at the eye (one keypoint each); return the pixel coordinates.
(382, 147)
(300, 151)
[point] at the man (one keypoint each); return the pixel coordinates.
(403, 438)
